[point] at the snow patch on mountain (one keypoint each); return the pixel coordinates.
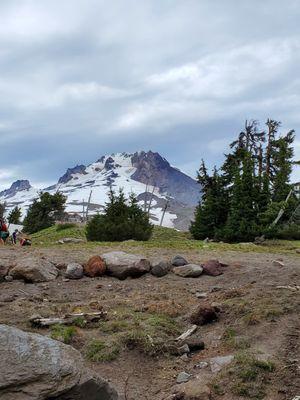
(147, 175)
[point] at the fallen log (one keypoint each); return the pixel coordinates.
(67, 319)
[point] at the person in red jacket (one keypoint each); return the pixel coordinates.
(3, 231)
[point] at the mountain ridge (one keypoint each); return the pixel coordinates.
(147, 174)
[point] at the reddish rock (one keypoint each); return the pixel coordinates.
(212, 268)
(204, 315)
(95, 267)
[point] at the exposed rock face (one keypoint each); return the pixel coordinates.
(33, 269)
(160, 269)
(16, 187)
(122, 265)
(188, 271)
(95, 267)
(35, 367)
(74, 271)
(179, 261)
(79, 169)
(153, 169)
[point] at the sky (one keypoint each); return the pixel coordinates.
(84, 78)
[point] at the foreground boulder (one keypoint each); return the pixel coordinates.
(33, 269)
(5, 266)
(74, 271)
(122, 265)
(212, 268)
(188, 271)
(160, 269)
(35, 367)
(95, 267)
(179, 261)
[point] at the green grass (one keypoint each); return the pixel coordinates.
(63, 333)
(150, 333)
(162, 238)
(100, 351)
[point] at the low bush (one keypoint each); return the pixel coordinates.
(67, 225)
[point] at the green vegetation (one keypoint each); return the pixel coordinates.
(63, 333)
(162, 238)
(67, 225)
(14, 216)
(100, 351)
(243, 199)
(150, 333)
(43, 212)
(251, 376)
(2, 209)
(122, 220)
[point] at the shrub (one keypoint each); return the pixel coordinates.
(67, 225)
(123, 220)
(100, 351)
(63, 333)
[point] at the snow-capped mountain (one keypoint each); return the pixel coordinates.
(146, 174)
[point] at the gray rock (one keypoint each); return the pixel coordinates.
(35, 367)
(201, 295)
(160, 269)
(217, 363)
(74, 271)
(33, 269)
(194, 343)
(188, 271)
(70, 240)
(183, 377)
(201, 365)
(184, 349)
(5, 266)
(122, 265)
(179, 261)
(8, 278)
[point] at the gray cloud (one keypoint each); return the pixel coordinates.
(80, 79)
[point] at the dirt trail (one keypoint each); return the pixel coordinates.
(261, 315)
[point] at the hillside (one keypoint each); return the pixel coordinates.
(146, 174)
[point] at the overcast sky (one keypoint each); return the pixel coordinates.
(83, 78)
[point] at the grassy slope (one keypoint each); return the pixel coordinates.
(162, 238)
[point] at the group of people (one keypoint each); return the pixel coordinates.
(15, 237)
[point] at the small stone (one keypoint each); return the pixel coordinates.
(188, 271)
(160, 269)
(66, 280)
(195, 343)
(74, 271)
(201, 295)
(277, 263)
(183, 377)
(183, 349)
(204, 315)
(212, 268)
(8, 278)
(184, 357)
(217, 363)
(201, 365)
(179, 261)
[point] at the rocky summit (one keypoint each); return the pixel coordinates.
(159, 187)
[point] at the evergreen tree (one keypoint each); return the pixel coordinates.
(122, 220)
(14, 216)
(43, 212)
(211, 213)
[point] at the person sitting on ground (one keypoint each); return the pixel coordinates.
(3, 231)
(25, 241)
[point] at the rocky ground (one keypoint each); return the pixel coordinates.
(251, 346)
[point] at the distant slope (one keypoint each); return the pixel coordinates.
(146, 174)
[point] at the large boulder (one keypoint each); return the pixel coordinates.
(35, 367)
(33, 269)
(188, 271)
(95, 267)
(74, 271)
(122, 265)
(212, 268)
(179, 261)
(160, 269)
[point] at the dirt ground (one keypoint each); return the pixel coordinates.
(254, 312)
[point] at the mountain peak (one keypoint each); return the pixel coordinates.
(17, 186)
